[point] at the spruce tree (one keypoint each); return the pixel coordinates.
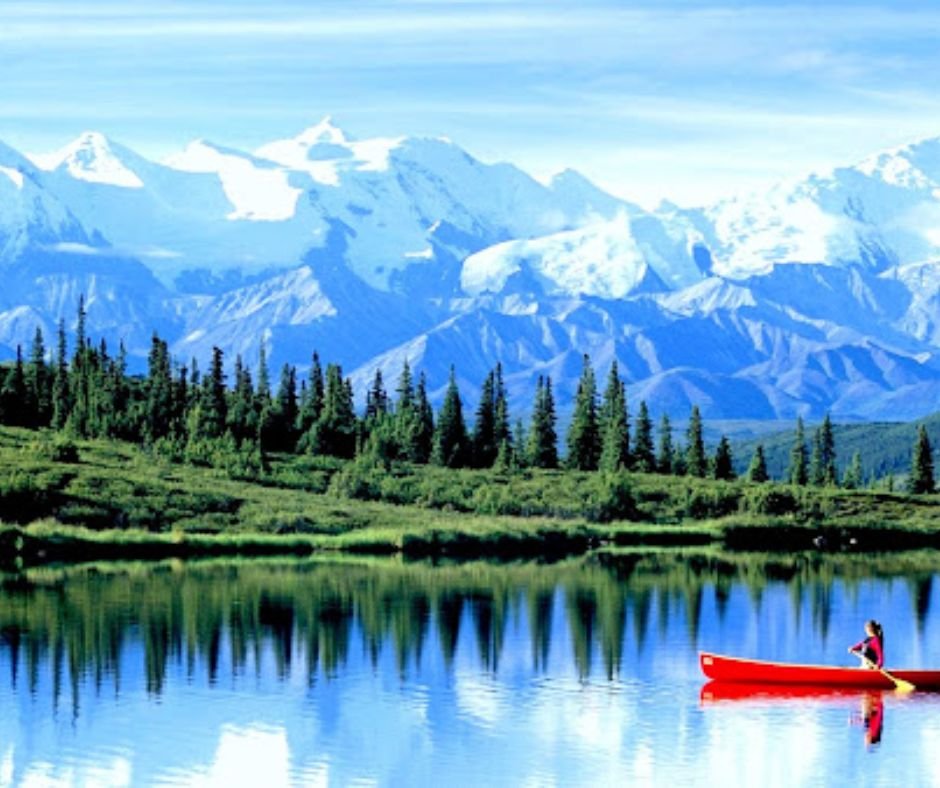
(312, 404)
(484, 445)
(450, 437)
(285, 411)
(242, 418)
(13, 395)
(584, 442)
(615, 446)
(723, 465)
(852, 479)
(827, 447)
(665, 453)
(159, 409)
(212, 401)
(695, 460)
(922, 478)
(264, 379)
(543, 440)
(60, 383)
(422, 437)
(816, 475)
(797, 471)
(757, 472)
(376, 399)
(643, 458)
(336, 430)
(501, 432)
(38, 383)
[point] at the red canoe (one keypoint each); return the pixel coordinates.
(755, 671)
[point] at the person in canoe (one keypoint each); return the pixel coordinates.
(871, 650)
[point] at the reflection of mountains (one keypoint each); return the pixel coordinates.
(211, 614)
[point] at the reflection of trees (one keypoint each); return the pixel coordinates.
(921, 588)
(305, 615)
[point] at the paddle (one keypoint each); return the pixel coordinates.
(899, 684)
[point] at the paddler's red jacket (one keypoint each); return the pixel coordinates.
(871, 648)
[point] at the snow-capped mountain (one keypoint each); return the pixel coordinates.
(819, 293)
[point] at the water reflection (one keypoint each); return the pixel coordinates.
(867, 707)
(80, 620)
(577, 672)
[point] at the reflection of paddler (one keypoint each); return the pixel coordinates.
(873, 716)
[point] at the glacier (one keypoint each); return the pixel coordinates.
(820, 293)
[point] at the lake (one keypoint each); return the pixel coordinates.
(363, 672)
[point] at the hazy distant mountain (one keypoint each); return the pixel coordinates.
(820, 293)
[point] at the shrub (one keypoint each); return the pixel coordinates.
(703, 503)
(771, 500)
(613, 500)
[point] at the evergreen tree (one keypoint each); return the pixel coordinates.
(181, 402)
(421, 442)
(159, 410)
(922, 477)
(797, 472)
(695, 460)
(312, 404)
(501, 432)
(60, 383)
(450, 437)
(816, 474)
(484, 443)
(852, 479)
(723, 465)
(405, 389)
(827, 455)
(242, 421)
(615, 446)
(584, 439)
(38, 383)
(284, 436)
(665, 454)
(213, 406)
(757, 472)
(336, 430)
(264, 380)
(376, 399)
(543, 440)
(13, 394)
(679, 460)
(643, 445)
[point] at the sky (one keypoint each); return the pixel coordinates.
(671, 99)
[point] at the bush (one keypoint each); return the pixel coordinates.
(704, 503)
(767, 499)
(358, 480)
(614, 500)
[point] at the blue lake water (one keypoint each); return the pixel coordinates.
(383, 673)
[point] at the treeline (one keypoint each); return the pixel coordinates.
(176, 409)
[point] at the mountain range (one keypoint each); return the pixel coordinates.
(818, 294)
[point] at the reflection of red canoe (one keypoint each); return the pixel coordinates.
(718, 691)
(754, 671)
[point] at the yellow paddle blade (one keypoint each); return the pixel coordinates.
(902, 686)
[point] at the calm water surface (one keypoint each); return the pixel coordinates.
(580, 673)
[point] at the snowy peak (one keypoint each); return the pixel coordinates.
(258, 189)
(94, 158)
(915, 166)
(324, 131)
(325, 151)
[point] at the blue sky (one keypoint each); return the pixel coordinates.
(681, 99)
